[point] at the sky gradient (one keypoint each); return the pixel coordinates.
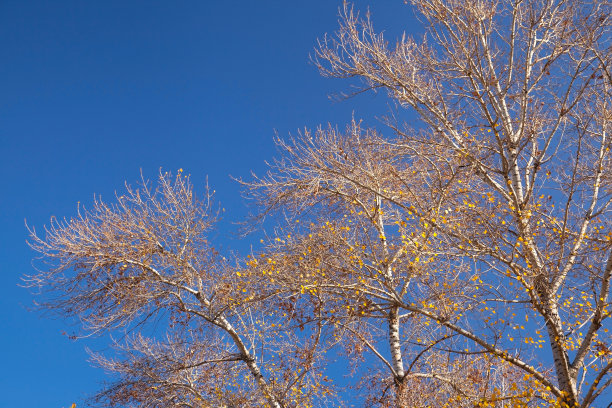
(93, 93)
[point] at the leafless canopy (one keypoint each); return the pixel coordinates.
(465, 263)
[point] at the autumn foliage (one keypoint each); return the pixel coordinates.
(465, 262)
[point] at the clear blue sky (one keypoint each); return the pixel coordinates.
(93, 92)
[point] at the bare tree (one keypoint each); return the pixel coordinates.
(465, 263)
(367, 251)
(519, 93)
(148, 259)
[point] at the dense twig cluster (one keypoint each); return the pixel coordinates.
(464, 264)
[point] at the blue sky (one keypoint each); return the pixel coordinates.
(91, 93)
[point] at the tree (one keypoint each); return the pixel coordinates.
(148, 259)
(443, 262)
(520, 92)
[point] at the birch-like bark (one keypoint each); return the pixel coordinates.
(395, 344)
(246, 355)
